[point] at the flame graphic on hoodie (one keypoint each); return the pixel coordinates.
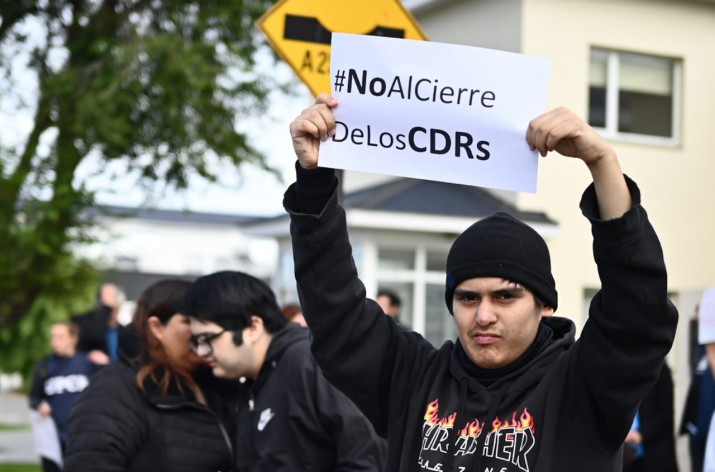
(526, 421)
(510, 440)
(432, 418)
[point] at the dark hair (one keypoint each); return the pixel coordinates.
(395, 299)
(163, 300)
(230, 299)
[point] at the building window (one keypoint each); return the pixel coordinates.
(287, 291)
(417, 276)
(635, 97)
(396, 259)
(404, 290)
(439, 325)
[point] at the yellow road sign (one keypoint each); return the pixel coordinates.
(300, 31)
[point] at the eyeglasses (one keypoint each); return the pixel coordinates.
(201, 343)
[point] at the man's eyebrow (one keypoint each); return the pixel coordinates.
(511, 288)
(205, 333)
(463, 291)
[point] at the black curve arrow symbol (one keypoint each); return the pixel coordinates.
(309, 29)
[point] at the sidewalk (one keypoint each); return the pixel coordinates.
(16, 446)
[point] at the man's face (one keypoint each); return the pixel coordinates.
(384, 302)
(497, 320)
(220, 353)
(63, 343)
(109, 295)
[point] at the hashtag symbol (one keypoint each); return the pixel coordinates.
(339, 79)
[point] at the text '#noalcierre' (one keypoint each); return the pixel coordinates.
(411, 88)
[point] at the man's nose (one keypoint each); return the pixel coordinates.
(202, 350)
(485, 314)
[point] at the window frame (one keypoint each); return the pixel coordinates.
(414, 310)
(610, 131)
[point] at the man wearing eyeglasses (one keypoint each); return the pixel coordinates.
(289, 417)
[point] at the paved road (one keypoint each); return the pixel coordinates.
(16, 446)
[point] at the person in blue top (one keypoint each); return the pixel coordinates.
(99, 328)
(699, 403)
(650, 445)
(59, 379)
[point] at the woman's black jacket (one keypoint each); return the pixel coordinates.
(115, 426)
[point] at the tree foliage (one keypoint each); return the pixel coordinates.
(156, 85)
(25, 341)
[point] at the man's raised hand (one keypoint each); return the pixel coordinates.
(313, 125)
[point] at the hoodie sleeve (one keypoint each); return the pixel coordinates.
(360, 350)
(357, 445)
(631, 323)
(37, 389)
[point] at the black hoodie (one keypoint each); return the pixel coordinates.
(292, 419)
(564, 406)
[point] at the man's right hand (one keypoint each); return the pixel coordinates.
(44, 409)
(98, 357)
(314, 125)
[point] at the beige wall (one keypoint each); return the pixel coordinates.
(676, 182)
(473, 23)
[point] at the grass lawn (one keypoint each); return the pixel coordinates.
(14, 427)
(10, 467)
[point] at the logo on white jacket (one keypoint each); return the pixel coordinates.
(504, 444)
(266, 416)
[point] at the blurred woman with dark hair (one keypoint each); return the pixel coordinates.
(157, 409)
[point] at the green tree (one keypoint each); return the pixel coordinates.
(156, 85)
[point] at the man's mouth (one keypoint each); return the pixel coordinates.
(485, 338)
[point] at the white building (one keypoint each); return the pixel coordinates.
(401, 231)
(141, 246)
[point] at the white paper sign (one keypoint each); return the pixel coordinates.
(435, 111)
(46, 438)
(706, 318)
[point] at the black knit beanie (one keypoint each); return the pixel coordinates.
(501, 246)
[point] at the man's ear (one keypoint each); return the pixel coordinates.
(156, 328)
(255, 330)
(547, 311)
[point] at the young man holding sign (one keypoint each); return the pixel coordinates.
(514, 392)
